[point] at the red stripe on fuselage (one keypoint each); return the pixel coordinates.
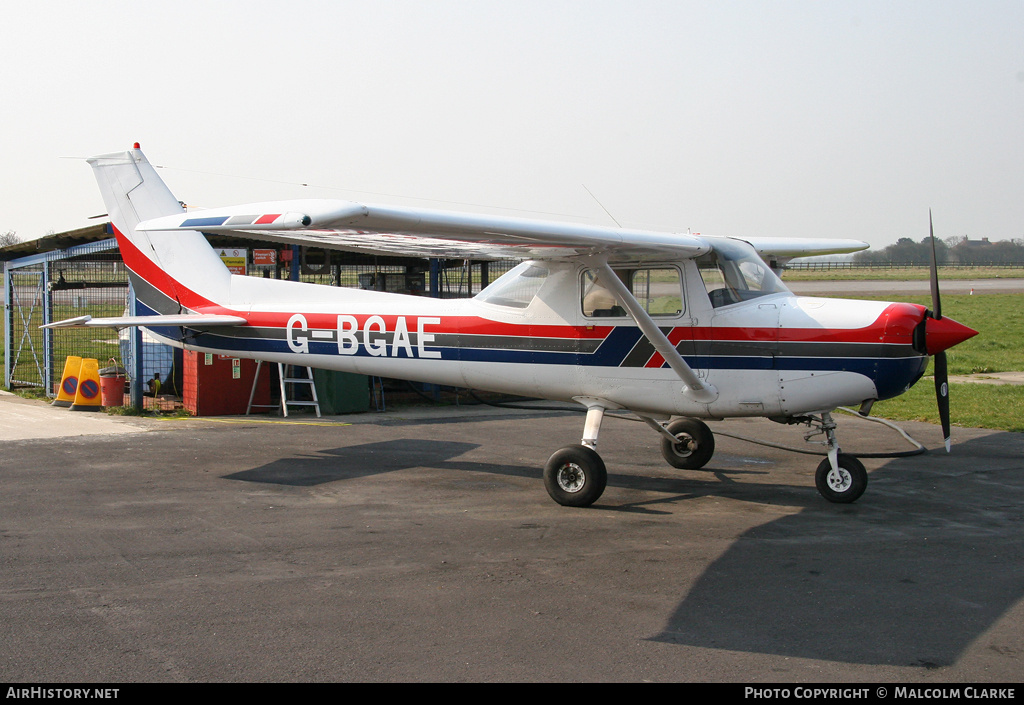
(466, 325)
(894, 325)
(146, 268)
(675, 336)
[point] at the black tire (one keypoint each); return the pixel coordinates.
(847, 485)
(694, 448)
(575, 476)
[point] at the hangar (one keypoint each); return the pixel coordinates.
(79, 272)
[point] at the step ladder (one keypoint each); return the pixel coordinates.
(287, 401)
(287, 384)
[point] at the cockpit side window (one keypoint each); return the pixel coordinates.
(658, 289)
(733, 272)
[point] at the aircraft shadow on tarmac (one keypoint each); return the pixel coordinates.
(910, 575)
(370, 459)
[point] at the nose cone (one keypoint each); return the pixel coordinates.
(943, 333)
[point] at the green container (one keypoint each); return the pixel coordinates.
(341, 392)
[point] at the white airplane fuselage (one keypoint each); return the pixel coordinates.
(777, 355)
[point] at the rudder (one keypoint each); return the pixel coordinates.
(170, 272)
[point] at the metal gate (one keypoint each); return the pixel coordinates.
(25, 352)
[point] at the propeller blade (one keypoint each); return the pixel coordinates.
(936, 304)
(942, 395)
(941, 374)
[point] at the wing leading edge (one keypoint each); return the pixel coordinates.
(378, 229)
(187, 320)
(786, 248)
(431, 233)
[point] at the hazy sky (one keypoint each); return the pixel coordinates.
(771, 118)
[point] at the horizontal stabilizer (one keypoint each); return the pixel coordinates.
(188, 320)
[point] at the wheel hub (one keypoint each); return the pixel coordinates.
(571, 477)
(839, 480)
(685, 446)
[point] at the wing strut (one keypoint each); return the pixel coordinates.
(693, 387)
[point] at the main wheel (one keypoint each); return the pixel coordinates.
(694, 446)
(575, 476)
(844, 485)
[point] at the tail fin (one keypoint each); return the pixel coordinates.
(170, 272)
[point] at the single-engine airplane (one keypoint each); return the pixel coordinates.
(666, 326)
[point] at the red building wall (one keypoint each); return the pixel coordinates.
(213, 387)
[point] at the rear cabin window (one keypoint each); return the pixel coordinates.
(517, 287)
(659, 290)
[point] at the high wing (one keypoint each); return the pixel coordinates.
(377, 229)
(428, 233)
(783, 249)
(187, 320)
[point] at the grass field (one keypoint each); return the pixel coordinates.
(998, 347)
(972, 405)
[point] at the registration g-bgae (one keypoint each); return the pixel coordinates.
(373, 333)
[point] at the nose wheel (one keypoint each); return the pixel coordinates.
(840, 478)
(842, 484)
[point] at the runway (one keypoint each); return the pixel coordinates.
(895, 288)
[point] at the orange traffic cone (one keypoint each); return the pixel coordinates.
(68, 382)
(87, 398)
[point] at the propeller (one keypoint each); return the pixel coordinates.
(941, 375)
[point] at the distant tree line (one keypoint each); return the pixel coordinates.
(952, 250)
(8, 238)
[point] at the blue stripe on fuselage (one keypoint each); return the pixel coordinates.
(891, 375)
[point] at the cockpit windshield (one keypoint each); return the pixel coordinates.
(734, 272)
(517, 287)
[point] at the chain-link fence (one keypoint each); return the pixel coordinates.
(91, 285)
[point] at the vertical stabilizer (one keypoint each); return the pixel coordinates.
(170, 271)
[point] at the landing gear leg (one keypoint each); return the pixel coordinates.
(840, 478)
(575, 476)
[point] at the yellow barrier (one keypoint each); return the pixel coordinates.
(87, 398)
(68, 382)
